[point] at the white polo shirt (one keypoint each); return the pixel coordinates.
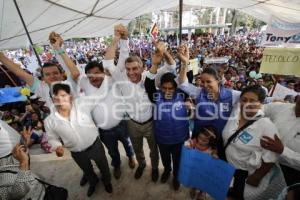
(8, 139)
(137, 104)
(78, 132)
(245, 151)
(42, 90)
(288, 125)
(110, 110)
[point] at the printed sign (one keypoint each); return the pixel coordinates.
(284, 61)
(202, 171)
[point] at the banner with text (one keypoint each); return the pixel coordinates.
(281, 33)
(283, 61)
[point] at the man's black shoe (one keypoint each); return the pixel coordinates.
(165, 176)
(83, 181)
(91, 190)
(176, 184)
(109, 188)
(139, 172)
(155, 175)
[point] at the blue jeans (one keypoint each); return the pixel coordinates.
(110, 139)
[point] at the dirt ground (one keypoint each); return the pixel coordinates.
(65, 172)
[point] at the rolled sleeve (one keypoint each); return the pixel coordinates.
(190, 89)
(109, 65)
(150, 75)
(35, 84)
(269, 157)
(53, 138)
(124, 45)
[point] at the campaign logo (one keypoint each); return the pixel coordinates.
(245, 137)
(225, 107)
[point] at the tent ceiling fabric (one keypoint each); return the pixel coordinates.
(92, 18)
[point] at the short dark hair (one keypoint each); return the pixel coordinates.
(211, 71)
(92, 65)
(51, 64)
(137, 59)
(60, 86)
(291, 81)
(256, 89)
(168, 78)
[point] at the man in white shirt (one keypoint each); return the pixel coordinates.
(286, 117)
(111, 126)
(72, 124)
(50, 72)
(140, 125)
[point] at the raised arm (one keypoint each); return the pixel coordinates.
(183, 84)
(122, 32)
(111, 52)
(169, 58)
(56, 41)
(150, 76)
(16, 69)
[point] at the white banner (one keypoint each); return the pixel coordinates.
(281, 33)
(280, 92)
(219, 60)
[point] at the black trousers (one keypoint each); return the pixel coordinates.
(170, 152)
(291, 175)
(237, 192)
(94, 152)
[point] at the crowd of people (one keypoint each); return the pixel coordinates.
(88, 94)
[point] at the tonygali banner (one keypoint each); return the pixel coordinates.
(281, 33)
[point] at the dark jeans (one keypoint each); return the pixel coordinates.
(94, 152)
(110, 139)
(168, 152)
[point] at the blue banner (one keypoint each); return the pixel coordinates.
(202, 171)
(11, 95)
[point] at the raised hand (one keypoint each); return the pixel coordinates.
(183, 54)
(156, 58)
(160, 48)
(123, 32)
(55, 40)
(117, 31)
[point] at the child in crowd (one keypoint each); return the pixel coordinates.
(205, 141)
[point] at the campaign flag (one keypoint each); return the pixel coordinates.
(154, 31)
(202, 171)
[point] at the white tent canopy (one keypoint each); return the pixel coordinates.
(92, 18)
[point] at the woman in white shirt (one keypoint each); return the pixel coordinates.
(257, 176)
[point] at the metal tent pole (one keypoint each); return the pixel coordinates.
(27, 33)
(180, 20)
